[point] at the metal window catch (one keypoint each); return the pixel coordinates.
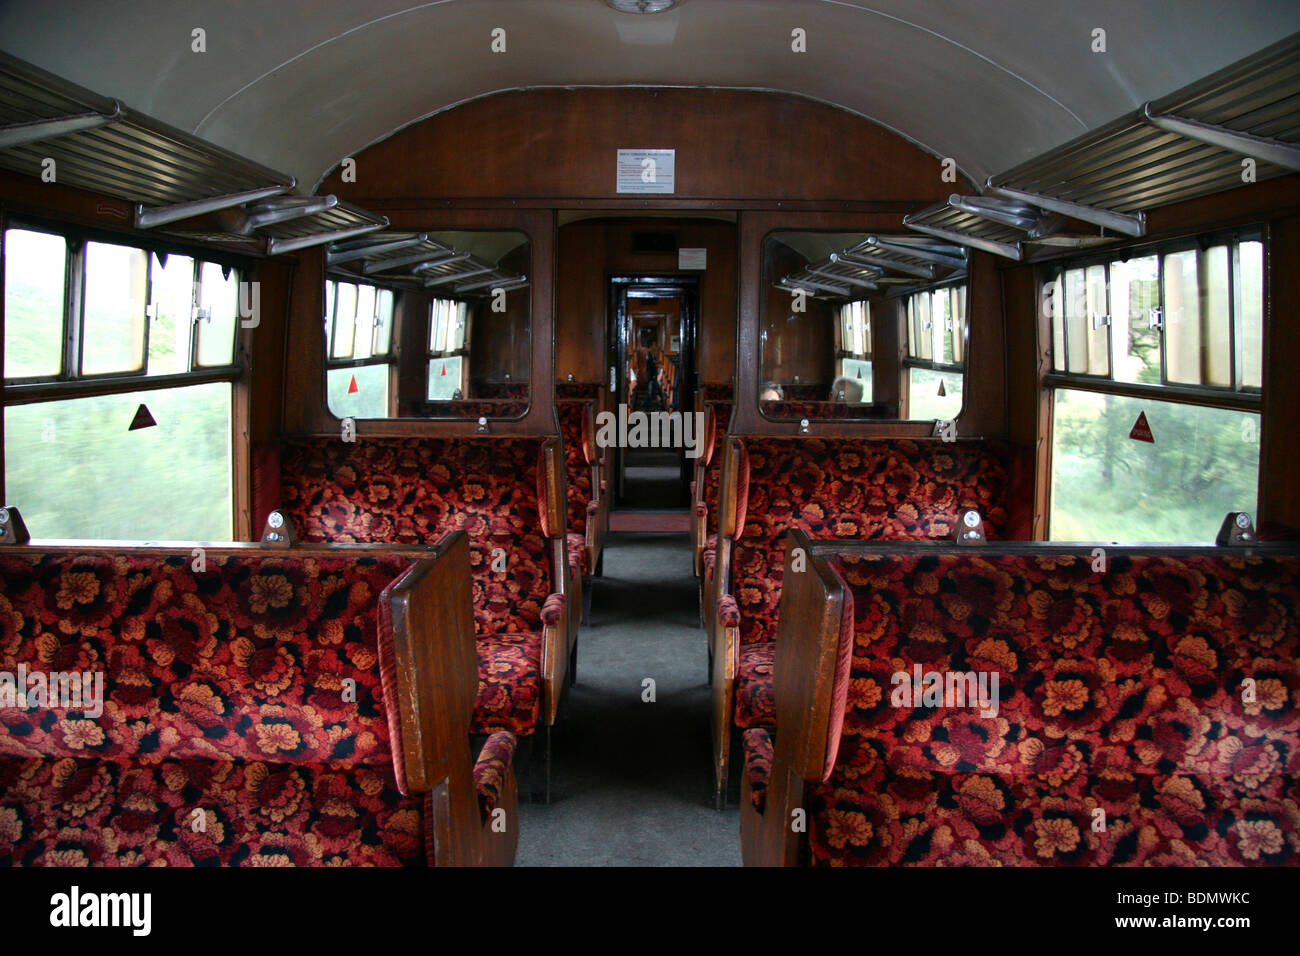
(1155, 318)
(803, 426)
(482, 424)
(1100, 321)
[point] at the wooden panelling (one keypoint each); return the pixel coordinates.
(730, 144)
(796, 346)
(593, 250)
(1279, 486)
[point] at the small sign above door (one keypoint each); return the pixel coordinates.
(646, 170)
(692, 258)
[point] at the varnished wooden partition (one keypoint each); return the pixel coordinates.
(593, 250)
(305, 410)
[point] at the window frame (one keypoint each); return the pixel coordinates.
(70, 382)
(1235, 396)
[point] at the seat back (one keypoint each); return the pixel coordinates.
(507, 494)
(1141, 713)
(884, 489)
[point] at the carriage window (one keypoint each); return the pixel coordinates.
(1201, 463)
(77, 469)
(1186, 317)
(35, 269)
(1128, 463)
(359, 336)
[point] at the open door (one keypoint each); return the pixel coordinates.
(653, 321)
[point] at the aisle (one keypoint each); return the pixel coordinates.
(630, 782)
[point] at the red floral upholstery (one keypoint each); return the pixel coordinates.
(847, 488)
(577, 468)
(716, 393)
(250, 691)
(757, 747)
(570, 390)
(553, 609)
(512, 390)
(509, 683)
(728, 613)
(414, 490)
(822, 410)
(67, 811)
(1121, 691)
(755, 691)
(246, 660)
(492, 771)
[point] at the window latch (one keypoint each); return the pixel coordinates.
(1100, 321)
(1155, 318)
(202, 315)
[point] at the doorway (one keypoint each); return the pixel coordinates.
(652, 336)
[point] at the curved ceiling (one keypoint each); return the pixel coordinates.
(299, 84)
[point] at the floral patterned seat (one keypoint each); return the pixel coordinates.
(243, 716)
(1146, 714)
(412, 491)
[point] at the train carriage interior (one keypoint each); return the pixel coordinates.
(630, 433)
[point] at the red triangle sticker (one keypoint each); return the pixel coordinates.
(352, 385)
(444, 368)
(1141, 430)
(942, 390)
(143, 419)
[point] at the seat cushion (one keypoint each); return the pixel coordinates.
(755, 692)
(69, 811)
(757, 746)
(509, 684)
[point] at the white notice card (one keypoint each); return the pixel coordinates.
(646, 170)
(692, 258)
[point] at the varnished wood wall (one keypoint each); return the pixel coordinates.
(732, 145)
(794, 346)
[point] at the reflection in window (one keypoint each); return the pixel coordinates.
(936, 352)
(77, 471)
(359, 333)
(449, 341)
(1107, 486)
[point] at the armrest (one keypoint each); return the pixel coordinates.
(728, 611)
(492, 771)
(553, 608)
(556, 630)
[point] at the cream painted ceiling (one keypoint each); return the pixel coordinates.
(299, 85)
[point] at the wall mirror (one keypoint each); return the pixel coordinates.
(861, 326)
(429, 325)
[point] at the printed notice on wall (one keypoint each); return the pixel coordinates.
(646, 170)
(692, 258)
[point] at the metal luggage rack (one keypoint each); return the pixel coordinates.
(50, 127)
(1210, 136)
(895, 264)
(416, 260)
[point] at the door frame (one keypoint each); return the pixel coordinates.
(618, 284)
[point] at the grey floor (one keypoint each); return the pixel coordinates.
(630, 782)
(652, 478)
